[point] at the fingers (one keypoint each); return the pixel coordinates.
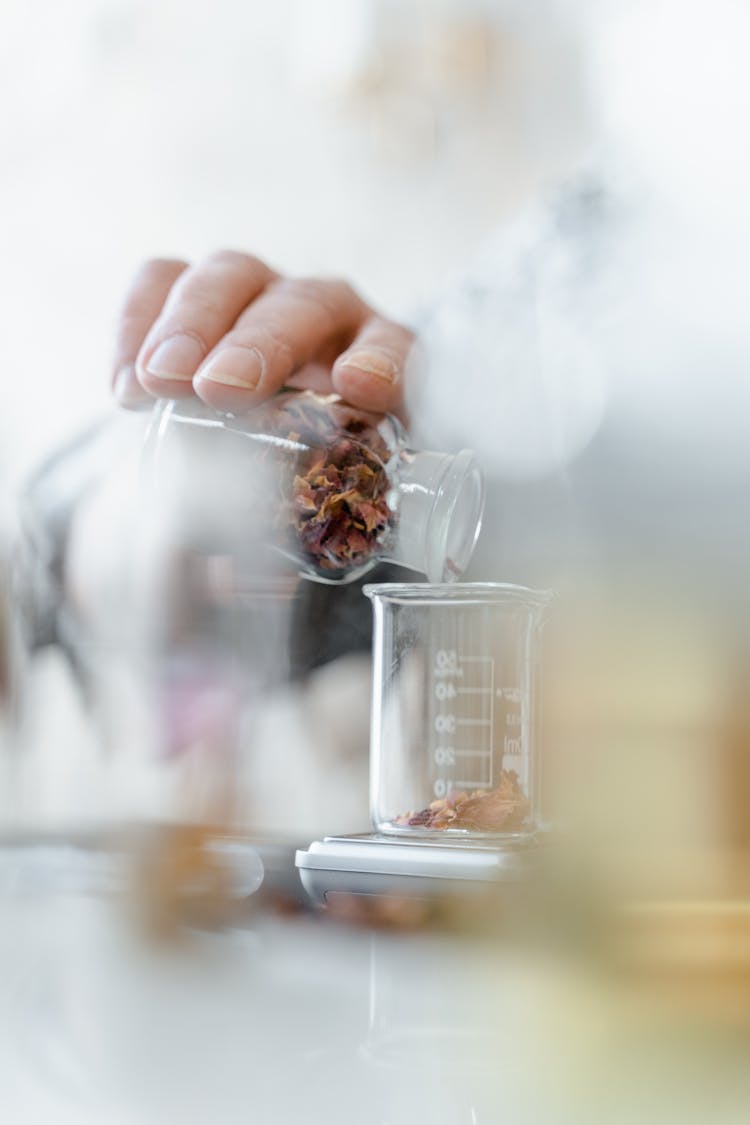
(312, 377)
(289, 326)
(201, 308)
(143, 303)
(233, 331)
(370, 373)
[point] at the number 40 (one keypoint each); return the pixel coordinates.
(445, 691)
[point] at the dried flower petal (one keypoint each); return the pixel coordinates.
(502, 809)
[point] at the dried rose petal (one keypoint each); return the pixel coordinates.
(503, 808)
(333, 496)
(420, 818)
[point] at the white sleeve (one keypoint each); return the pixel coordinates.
(507, 361)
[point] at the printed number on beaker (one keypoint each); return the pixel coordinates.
(446, 663)
(445, 724)
(445, 690)
(445, 756)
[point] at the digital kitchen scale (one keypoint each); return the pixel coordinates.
(371, 864)
(454, 777)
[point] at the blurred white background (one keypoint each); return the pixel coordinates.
(365, 138)
(374, 139)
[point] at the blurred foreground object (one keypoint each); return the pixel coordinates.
(176, 620)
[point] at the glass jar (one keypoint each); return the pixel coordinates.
(338, 489)
(453, 750)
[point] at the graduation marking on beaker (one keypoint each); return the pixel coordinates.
(449, 666)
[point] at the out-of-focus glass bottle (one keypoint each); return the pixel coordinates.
(164, 552)
(343, 488)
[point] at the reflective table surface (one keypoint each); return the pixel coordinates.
(291, 1016)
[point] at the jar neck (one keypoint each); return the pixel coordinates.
(438, 499)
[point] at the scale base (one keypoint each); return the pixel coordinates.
(371, 864)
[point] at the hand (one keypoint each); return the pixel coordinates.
(232, 331)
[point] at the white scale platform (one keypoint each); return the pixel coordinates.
(371, 864)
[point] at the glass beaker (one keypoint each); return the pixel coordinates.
(453, 751)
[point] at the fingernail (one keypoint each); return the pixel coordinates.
(235, 367)
(176, 358)
(373, 363)
(127, 390)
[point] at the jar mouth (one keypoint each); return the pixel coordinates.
(465, 593)
(456, 518)
(438, 503)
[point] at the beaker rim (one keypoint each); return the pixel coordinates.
(465, 593)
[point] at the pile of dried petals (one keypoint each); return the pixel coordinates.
(502, 809)
(338, 509)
